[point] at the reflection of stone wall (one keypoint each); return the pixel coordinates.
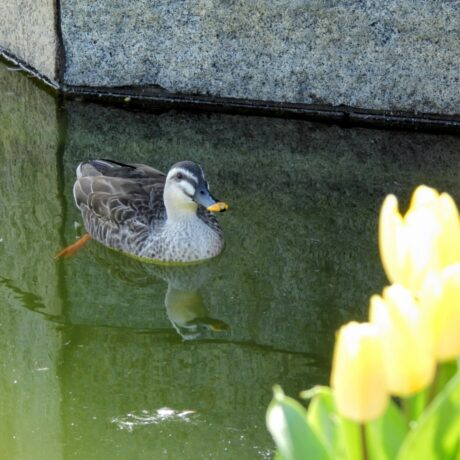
(30, 425)
(30, 208)
(30, 396)
(112, 373)
(301, 255)
(28, 31)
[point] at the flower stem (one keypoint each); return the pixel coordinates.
(406, 407)
(434, 384)
(364, 450)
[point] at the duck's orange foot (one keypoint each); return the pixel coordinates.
(73, 248)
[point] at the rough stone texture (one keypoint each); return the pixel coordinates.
(27, 30)
(375, 54)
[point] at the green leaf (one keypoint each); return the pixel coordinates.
(414, 405)
(445, 373)
(437, 433)
(322, 417)
(287, 423)
(314, 391)
(386, 434)
(350, 440)
(342, 437)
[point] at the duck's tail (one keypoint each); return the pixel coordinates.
(100, 167)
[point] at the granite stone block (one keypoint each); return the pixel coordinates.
(380, 54)
(27, 31)
(385, 55)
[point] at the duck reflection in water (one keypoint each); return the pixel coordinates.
(185, 307)
(187, 313)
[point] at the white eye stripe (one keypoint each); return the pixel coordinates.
(188, 188)
(184, 172)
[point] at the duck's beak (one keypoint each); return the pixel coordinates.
(220, 206)
(205, 199)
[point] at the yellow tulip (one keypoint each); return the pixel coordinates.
(440, 301)
(357, 375)
(426, 238)
(406, 341)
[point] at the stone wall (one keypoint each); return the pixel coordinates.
(386, 55)
(27, 31)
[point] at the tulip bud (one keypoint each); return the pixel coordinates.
(440, 299)
(407, 352)
(357, 375)
(427, 238)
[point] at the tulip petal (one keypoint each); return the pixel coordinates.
(422, 197)
(391, 239)
(449, 244)
(426, 239)
(407, 349)
(357, 376)
(440, 300)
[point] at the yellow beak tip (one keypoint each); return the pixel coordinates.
(218, 207)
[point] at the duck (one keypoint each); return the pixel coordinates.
(140, 211)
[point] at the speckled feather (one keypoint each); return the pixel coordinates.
(123, 207)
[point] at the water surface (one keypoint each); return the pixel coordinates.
(103, 357)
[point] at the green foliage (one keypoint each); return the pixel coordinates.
(342, 436)
(414, 405)
(321, 418)
(437, 433)
(385, 435)
(421, 430)
(423, 425)
(294, 437)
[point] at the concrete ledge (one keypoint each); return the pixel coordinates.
(154, 99)
(158, 100)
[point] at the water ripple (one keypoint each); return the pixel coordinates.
(165, 414)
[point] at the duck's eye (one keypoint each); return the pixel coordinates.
(179, 176)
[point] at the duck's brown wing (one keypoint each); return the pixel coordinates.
(119, 203)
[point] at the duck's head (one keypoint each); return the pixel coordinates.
(186, 188)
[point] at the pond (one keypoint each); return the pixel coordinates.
(104, 357)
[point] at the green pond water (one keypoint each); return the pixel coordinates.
(104, 357)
